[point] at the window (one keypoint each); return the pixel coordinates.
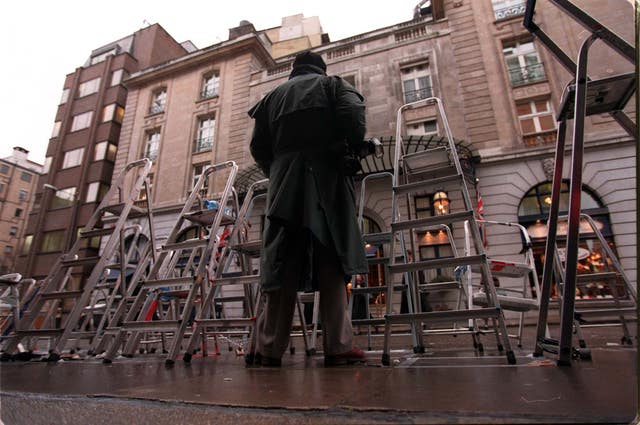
(416, 82)
(8, 250)
(88, 87)
(118, 76)
(81, 121)
(18, 212)
(25, 177)
(23, 195)
(537, 122)
(47, 165)
(1, 187)
(26, 244)
(429, 127)
(153, 145)
(143, 195)
(56, 129)
(537, 201)
(210, 85)
(96, 191)
(65, 96)
(105, 151)
(351, 79)
(113, 112)
(63, 198)
(158, 101)
(504, 9)
(102, 56)
(206, 129)
(198, 171)
(4, 169)
(72, 158)
(13, 231)
(423, 206)
(523, 63)
(52, 241)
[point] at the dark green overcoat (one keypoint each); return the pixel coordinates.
(299, 138)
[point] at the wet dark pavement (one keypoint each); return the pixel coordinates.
(447, 384)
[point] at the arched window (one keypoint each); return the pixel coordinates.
(533, 214)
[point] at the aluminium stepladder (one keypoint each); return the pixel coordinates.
(191, 279)
(436, 169)
(582, 97)
(56, 286)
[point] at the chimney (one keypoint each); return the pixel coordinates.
(244, 28)
(20, 154)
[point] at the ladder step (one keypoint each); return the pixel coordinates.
(206, 217)
(61, 295)
(440, 286)
(118, 266)
(438, 263)
(156, 325)
(377, 238)
(595, 277)
(80, 261)
(376, 289)
(382, 260)
(507, 302)
(432, 221)
(97, 232)
(221, 323)
(252, 248)
(607, 311)
(162, 283)
(117, 209)
(416, 186)
(237, 280)
(506, 268)
(443, 316)
(40, 332)
(189, 244)
(427, 160)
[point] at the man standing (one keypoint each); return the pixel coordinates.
(304, 130)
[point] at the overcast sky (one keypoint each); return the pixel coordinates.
(44, 40)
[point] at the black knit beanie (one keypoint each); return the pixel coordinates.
(309, 58)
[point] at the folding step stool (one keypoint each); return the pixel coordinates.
(55, 289)
(201, 263)
(520, 300)
(436, 169)
(581, 98)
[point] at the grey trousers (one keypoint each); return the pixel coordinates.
(275, 315)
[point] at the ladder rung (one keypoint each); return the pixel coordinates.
(214, 323)
(363, 322)
(607, 311)
(229, 299)
(506, 268)
(382, 260)
(97, 232)
(82, 335)
(117, 209)
(40, 332)
(250, 248)
(162, 283)
(237, 280)
(234, 332)
(117, 266)
(416, 186)
(80, 261)
(60, 295)
(432, 221)
(439, 286)
(507, 302)
(156, 325)
(443, 316)
(191, 243)
(206, 217)
(595, 277)
(438, 263)
(377, 238)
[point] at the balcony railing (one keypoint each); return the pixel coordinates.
(202, 144)
(540, 139)
(415, 95)
(527, 74)
(509, 11)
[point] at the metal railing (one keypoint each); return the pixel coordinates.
(415, 95)
(527, 74)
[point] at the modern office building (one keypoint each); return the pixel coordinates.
(81, 153)
(18, 180)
